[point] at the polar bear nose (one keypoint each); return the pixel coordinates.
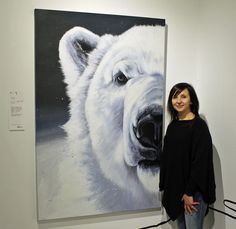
(149, 134)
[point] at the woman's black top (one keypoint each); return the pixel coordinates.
(186, 164)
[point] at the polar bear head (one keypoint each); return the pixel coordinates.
(115, 85)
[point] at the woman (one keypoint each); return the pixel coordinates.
(187, 174)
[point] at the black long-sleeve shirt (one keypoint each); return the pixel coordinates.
(186, 164)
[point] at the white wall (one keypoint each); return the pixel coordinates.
(189, 58)
(216, 80)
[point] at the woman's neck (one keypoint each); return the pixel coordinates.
(186, 116)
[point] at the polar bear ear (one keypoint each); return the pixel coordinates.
(74, 48)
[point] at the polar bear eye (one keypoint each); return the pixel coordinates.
(121, 78)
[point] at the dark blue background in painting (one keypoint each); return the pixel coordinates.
(50, 25)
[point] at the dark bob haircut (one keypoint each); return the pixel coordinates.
(177, 89)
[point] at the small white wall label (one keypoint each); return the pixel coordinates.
(16, 110)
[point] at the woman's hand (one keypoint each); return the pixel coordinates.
(189, 204)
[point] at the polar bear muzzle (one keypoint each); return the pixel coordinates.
(149, 134)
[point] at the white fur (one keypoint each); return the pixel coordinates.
(100, 139)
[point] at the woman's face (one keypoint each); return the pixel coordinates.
(181, 102)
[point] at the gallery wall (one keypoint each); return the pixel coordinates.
(216, 87)
(200, 50)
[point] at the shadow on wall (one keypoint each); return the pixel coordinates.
(215, 218)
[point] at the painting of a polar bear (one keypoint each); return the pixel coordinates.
(115, 85)
(99, 113)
